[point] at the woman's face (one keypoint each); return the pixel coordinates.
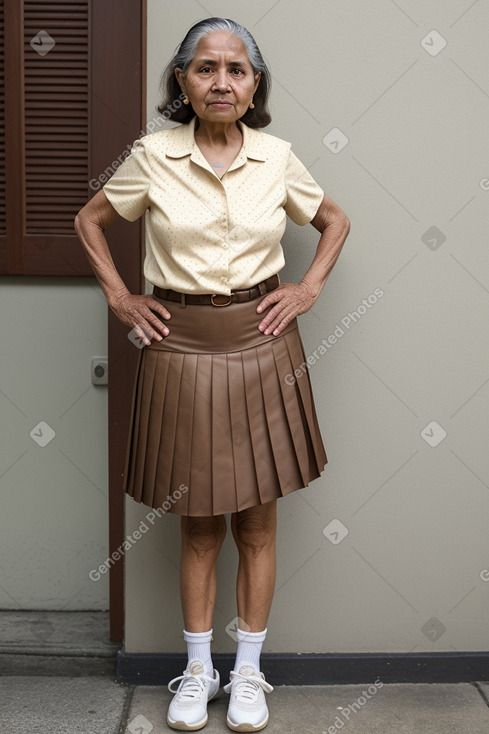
(219, 80)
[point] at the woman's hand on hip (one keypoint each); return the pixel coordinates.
(140, 312)
(287, 302)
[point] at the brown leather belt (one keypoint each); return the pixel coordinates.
(218, 299)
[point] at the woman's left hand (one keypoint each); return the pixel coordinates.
(290, 300)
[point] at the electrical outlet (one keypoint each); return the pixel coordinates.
(100, 371)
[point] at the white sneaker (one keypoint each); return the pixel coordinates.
(247, 710)
(188, 708)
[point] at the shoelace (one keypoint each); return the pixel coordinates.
(247, 687)
(191, 686)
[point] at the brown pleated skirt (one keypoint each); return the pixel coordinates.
(218, 421)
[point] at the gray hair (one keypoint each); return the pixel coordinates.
(258, 117)
(187, 49)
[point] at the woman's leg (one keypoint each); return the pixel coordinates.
(201, 542)
(254, 531)
(202, 538)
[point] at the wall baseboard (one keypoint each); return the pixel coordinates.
(319, 668)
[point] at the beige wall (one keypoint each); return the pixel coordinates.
(53, 484)
(407, 576)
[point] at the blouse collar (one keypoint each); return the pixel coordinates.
(182, 143)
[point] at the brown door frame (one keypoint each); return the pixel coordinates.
(118, 78)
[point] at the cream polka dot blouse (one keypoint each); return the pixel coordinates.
(205, 234)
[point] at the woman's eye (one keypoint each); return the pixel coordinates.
(209, 70)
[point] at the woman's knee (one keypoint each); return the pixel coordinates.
(255, 529)
(203, 534)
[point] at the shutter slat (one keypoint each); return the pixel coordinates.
(55, 114)
(56, 95)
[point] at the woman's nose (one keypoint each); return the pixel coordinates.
(221, 81)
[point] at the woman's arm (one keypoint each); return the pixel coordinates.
(291, 299)
(135, 311)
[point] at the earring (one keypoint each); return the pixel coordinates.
(186, 100)
(252, 106)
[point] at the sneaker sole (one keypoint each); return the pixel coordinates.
(246, 727)
(182, 726)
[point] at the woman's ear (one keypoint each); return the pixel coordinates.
(257, 80)
(180, 79)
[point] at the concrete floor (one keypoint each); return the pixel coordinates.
(57, 675)
(96, 705)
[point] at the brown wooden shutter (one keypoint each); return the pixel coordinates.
(47, 48)
(56, 114)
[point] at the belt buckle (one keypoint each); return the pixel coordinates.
(220, 295)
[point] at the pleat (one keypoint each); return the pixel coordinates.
(245, 479)
(264, 462)
(223, 484)
(200, 484)
(277, 422)
(184, 436)
(136, 477)
(296, 351)
(149, 450)
(134, 414)
(291, 402)
(167, 416)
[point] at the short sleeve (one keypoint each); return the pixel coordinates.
(128, 188)
(304, 195)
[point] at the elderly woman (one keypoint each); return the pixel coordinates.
(218, 426)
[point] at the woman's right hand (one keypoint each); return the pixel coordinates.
(139, 312)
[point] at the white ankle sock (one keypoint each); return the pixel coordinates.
(199, 648)
(249, 648)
